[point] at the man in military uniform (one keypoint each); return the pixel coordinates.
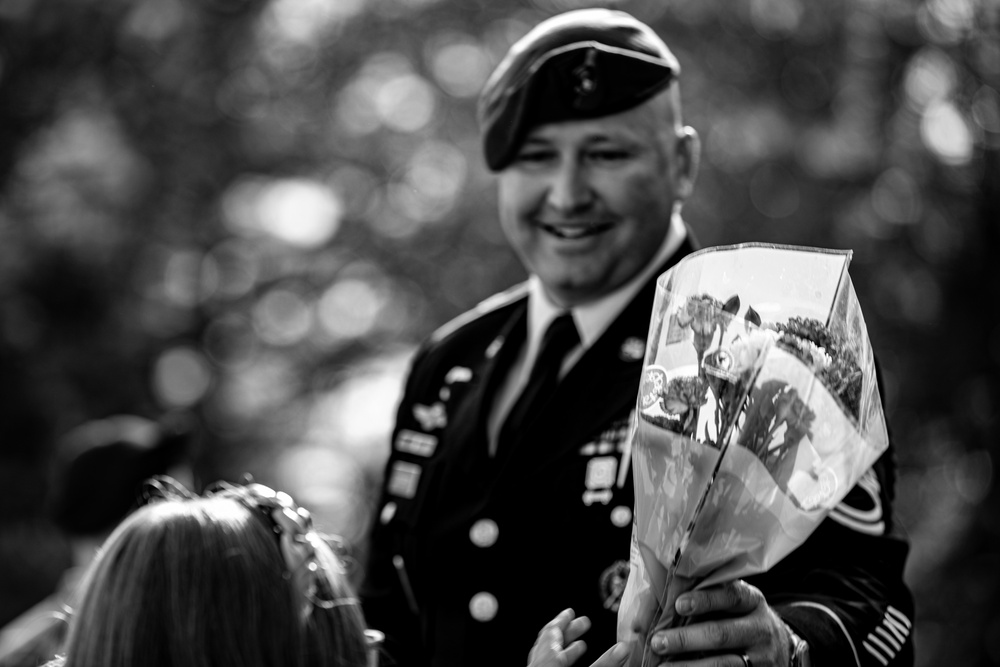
(508, 492)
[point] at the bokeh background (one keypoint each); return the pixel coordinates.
(253, 210)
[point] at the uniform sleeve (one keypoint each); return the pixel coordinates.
(855, 607)
(843, 591)
(386, 599)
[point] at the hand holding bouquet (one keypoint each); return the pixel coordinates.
(757, 412)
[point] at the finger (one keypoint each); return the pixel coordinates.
(547, 649)
(734, 597)
(613, 657)
(560, 622)
(731, 634)
(573, 652)
(575, 629)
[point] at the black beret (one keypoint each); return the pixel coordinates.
(582, 64)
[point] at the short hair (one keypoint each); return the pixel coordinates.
(201, 581)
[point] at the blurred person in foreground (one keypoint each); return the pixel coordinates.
(506, 495)
(95, 481)
(236, 577)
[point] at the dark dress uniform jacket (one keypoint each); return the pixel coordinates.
(471, 555)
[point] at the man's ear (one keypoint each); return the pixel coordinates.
(687, 154)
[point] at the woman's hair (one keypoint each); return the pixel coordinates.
(235, 577)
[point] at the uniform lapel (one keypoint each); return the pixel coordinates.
(468, 429)
(451, 489)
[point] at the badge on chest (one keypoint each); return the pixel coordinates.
(604, 460)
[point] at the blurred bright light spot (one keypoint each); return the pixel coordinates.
(328, 483)
(355, 110)
(775, 19)
(181, 277)
(405, 103)
(959, 14)
(896, 196)
(434, 178)
(350, 308)
(460, 65)
(774, 191)
(974, 476)
(986, 108)
(181, 377)
(250, 389)
(306, 21)
(930, 76)
(946, 134)
(946, 21)
(297, 211)
(78, 171)
(300, 212)
(437, 170)
(282, 317)
(358, 414)
(386, 92)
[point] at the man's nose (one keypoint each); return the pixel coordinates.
(570, 190)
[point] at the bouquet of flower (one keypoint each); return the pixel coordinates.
(758, 410)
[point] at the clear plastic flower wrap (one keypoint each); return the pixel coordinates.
(757, 411)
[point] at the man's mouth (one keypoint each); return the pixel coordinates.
(575, 230)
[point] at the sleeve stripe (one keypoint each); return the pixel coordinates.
(876, 529)
(889, 653)
(876, 654)
(898, 615)
(896, 644)
(897, 630)
(840, 623)
(887, 639)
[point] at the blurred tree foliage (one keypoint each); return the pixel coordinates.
(254, 209)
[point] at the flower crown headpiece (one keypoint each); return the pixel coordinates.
(292, 525)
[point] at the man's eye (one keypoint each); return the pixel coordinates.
(535, 157)
(609, 155)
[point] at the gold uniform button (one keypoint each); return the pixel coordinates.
(484, 533)
(483, 606)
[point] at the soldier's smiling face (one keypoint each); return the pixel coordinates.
(586, 204)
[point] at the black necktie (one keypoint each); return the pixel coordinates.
(559, 338)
